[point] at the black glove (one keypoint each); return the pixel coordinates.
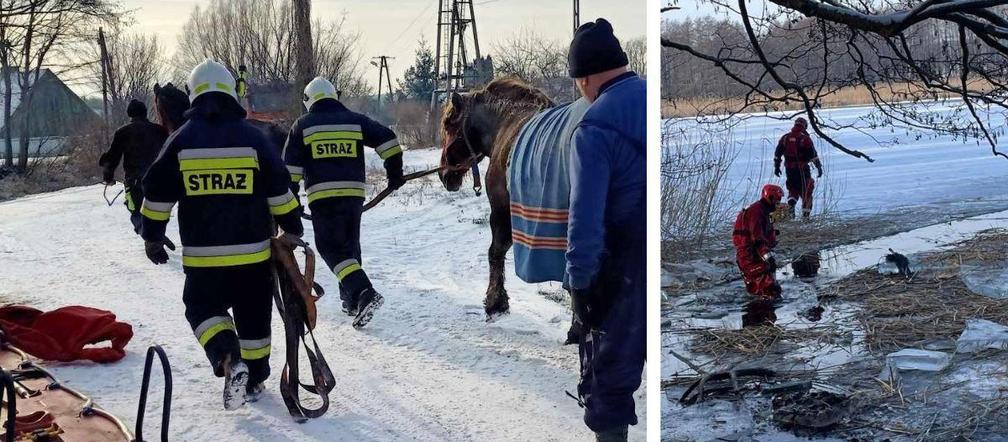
(396, 180)
(583, 305)
(156, 252)
(776, 171)
(109, 177)
(771, 263)
(820, 172)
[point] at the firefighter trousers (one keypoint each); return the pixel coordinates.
(247, 291)
(337, 237)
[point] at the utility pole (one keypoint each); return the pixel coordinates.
(304, 59)
(456, 24)
(104, 81)
(381, 62)
(577, 14)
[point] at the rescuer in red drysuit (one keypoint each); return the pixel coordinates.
(797, 151)
(755, 238)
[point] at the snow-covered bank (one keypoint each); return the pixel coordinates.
(427, 368)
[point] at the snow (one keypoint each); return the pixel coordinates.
(428, 367)
(907, 171)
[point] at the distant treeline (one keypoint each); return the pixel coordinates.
(847, 58)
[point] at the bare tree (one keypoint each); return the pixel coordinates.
(35, 32)
(906, 54)
(136, 62)
(537, 60)
(258, 34)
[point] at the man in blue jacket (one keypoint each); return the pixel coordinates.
(606, 252)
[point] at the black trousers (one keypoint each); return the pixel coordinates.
(134, 199)
(337, 237)
(247, 291)
(613, 355)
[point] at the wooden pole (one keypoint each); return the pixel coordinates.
(104, 82)
(304, 58)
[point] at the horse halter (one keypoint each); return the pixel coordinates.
(474, 156)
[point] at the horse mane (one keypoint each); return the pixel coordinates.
(513, 100)
(173, 102)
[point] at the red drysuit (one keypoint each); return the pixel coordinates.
(62, 334)
(754, 238)
(797, 152)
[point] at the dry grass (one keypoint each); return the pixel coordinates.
(758, 341)
(846, 96)
(934, 304)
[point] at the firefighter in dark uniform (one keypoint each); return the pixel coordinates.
(325, 149)
(136, 145)
(230, 186)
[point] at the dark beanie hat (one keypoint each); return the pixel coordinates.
(595, 49)
(136, 109)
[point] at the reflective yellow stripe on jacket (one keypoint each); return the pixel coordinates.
(389, 148)
(333, 189)
(156, 211)
(283, 204)
(225, 256)
(220, 158)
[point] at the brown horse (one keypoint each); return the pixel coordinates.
(485, 124)
(171, 104)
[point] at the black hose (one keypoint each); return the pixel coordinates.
(166, 407)
(8, 387)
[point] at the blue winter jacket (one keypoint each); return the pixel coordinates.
(608, 182)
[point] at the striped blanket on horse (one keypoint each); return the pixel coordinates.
(539, 184)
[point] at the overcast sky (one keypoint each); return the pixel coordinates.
(393, 27)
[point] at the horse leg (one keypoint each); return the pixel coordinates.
(496, 302)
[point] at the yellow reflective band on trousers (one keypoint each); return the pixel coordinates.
(345, 268)
(211, 327)
(254, 348)
(296, 177)
(226, 256)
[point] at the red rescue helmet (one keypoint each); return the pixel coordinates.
(801, 122)
(772, 194)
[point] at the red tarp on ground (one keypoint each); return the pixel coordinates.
(62, 334)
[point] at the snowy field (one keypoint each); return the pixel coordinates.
(910, 168)
(428, 367)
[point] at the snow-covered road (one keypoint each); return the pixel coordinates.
(427, 368)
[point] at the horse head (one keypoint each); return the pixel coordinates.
(458, 136)
(171, 103)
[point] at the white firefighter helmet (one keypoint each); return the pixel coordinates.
(318, 89)
(210, 76)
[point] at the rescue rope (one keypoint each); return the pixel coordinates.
(113, 200)
(142, 404)
(410, 177)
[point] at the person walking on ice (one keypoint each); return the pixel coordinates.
(797, 151)
(325, 148)
(230, 186)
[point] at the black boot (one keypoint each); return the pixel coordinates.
(618, 434)
(367, 302)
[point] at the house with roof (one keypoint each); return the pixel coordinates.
(53, 112)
